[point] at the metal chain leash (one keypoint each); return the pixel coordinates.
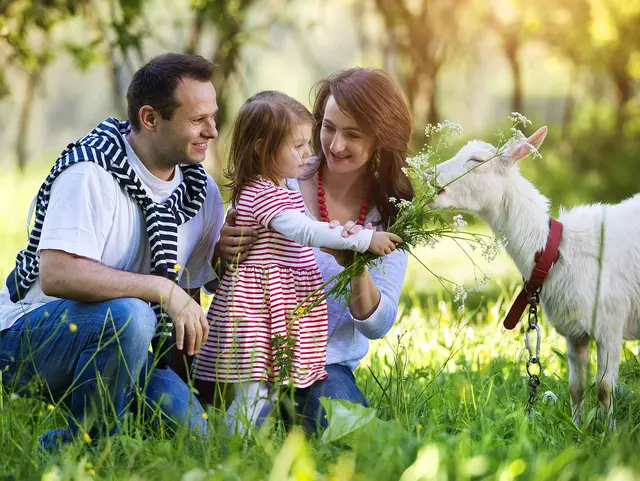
(534, 358)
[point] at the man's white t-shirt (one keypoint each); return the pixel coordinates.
(90, 215)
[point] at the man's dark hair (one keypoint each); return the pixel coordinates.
(155, 83)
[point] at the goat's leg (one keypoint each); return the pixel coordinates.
(578, 356)
(609, 350)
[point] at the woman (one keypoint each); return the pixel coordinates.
(363, 128)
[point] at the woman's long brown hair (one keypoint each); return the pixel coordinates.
(370, 97)
(263, 124)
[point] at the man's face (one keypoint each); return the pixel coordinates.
(185, 138)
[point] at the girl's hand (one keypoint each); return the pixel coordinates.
(383, 243)
(342, 257)
(235, 242)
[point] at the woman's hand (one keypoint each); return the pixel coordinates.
(235, 242)
(342, 257)
(351, 227)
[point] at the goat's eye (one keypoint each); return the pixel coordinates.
(475, 160)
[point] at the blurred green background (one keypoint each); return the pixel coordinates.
(454, 378)
(573, 65)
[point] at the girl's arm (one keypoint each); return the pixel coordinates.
(298, 227)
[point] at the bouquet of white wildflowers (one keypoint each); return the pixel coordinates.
(419, 224)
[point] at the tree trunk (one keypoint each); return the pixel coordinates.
(433, 112)
(624, 93)
(196, 32)
(25, 116)
(117, 92)
(511, 51)
(569, 104)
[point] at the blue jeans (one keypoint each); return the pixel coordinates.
(341, 384)
(88, 355)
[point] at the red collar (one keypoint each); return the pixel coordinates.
(544, 262)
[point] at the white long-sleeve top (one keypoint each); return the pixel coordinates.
(312, 233)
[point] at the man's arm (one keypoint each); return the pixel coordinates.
(77, 278)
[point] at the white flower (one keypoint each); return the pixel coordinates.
(459, 223)
(404, 204)
(446, 128)
(517, 118)
(491, 250)
(13, 396)
(430, 175)
(459, 296)
(480, 283)
(419, 162)
(517, 136)
(534, 151)
(432, 242)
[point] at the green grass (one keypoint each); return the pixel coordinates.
(448, 390)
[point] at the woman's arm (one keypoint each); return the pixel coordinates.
(384, 282)
(365, 296)
(375, 293)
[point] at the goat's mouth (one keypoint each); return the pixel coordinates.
(442, 190)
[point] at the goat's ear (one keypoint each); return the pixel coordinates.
(523, 149)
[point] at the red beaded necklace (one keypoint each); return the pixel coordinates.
(323, 205)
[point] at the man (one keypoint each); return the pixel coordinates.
(125, 213)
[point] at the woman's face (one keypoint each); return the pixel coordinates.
(345, 146)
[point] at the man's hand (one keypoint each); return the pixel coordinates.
(235, 242)
(191, 328)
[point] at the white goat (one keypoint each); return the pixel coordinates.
(498, 193)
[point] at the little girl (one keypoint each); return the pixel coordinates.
(254, 341)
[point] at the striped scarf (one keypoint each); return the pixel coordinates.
(105, 146)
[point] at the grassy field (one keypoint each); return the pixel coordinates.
(447, 390)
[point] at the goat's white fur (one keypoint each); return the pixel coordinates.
(498, 193)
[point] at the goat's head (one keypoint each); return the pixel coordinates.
(478, 175)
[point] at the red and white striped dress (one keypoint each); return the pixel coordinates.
(253, 305)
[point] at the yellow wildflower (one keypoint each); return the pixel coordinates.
(86, 437)
(419, 427)
(176, 267)
(92, 472)
(73, 327)
(205, 416)
(50, 407)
